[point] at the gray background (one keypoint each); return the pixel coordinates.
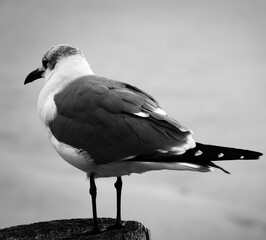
(205, 63)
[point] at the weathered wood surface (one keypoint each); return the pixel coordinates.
(75, 229)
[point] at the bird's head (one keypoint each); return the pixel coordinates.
(51, 59)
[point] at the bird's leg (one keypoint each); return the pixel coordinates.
(118, 185)
(93, 193)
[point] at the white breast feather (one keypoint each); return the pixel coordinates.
(48, 110)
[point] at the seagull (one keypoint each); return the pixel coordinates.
(109, 128)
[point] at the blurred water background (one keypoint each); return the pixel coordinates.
(204, 61)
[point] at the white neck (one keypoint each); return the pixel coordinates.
(66, 71)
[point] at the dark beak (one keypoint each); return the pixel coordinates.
(34, 75)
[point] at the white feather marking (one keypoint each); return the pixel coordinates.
(178, 150)
(155, 110)
(162, 151)
(195, 166)
(190, 142)
(198, 153)
(190, 165)
(129, 157)
(159, 111)
(242, 157)
(142, 114)
(220, 155)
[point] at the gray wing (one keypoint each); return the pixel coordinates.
(114, 121)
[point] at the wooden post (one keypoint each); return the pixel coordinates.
(76, 229)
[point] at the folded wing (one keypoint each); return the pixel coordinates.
(113, 121)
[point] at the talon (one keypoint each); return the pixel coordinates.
(117, 225)
(94, 231)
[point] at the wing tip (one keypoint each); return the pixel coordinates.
(251, 155)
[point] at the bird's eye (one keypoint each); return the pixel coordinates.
(45, 63)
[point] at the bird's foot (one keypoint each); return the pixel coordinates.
(95, 230)
(117, 225)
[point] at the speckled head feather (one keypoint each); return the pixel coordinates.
(56, 53)
(51, 58)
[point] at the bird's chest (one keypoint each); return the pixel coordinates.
(46, 104)
(47, 110)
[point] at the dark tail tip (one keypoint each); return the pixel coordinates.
(219, 153)
(251, 155)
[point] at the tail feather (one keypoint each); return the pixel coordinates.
(202, 155)
(219, 153)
